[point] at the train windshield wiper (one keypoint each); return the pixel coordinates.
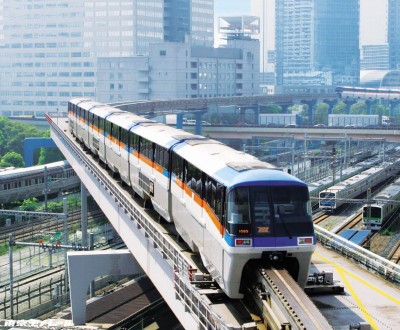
(282, 219)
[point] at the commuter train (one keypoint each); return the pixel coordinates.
(331, 198)
(21, 183)
(228, 206)
(386, 203)
(363, 93)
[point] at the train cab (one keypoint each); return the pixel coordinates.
(327, 200)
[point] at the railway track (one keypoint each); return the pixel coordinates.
(29, 230)
(280, 301)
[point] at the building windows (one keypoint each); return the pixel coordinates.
(163, 52)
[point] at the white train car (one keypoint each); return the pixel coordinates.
(227, 205)
(386, 202)
(331, 198)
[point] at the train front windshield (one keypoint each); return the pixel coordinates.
(269, 211)
(327, 199)
(373, 213)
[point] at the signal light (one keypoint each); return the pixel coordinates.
(40, 241)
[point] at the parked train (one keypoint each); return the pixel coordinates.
(331, 198)
(227, 205)
(363, 93)
(22, 183)
(386, 203)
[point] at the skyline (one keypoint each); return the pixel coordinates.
(373, 17)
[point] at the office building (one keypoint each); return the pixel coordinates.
(180, 70)
(49, 48)
(317, 44)
(394, 34)
(374, 57)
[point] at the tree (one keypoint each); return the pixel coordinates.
(321, 113)
(12, 159)
(29, 204)
(49, 155)
(270, 108)
(339, 108)
(359, 108)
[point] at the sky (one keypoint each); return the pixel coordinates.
(372, 12)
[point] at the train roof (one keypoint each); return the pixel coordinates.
(127, 119)
(78, 100)
(390, 192)
(32, 169)
(89, 104)
(355, 179)
(104, 111)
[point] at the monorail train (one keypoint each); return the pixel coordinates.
(227, 205)
(363, 93)
(386, 203)
(22, 183)
(331, 198)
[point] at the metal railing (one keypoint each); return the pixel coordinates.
(185, 292)
(371, 261)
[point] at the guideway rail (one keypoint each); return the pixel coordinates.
(194, 303)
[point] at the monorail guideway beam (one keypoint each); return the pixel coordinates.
(156, 254)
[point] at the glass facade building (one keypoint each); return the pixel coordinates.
(317, 43)
(394, 33)
(49, 48)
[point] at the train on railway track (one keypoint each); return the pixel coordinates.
(21, 183)
(333, 197)
(364, 93)
(228, 206)
(384, 205)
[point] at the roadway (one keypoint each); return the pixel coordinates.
(310, 133)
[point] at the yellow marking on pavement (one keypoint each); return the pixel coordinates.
(396, 301)
(361, 306)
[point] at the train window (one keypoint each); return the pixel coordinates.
(238, 206)
(193, 178)
(161, 156)
(115, 131)
(124, 136)
(107, 128)
(133, 141)
(291, 211)
(177, 166)
(214, 194)
(146, 148)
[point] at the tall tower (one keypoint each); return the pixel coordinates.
(49, 48)
(265, 9)
(394, 34)
(317, 44)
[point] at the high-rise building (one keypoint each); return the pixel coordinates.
(374, 57)
(394, 34)
(49, 48)
(317, 44)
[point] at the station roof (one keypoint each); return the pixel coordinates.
(380, 78)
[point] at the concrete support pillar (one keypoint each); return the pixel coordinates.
(84, 216)
(179, 120)
(349, 103)
(331, 104)
(83, 267)
(369, 105)
(311, 104)
(198, 123)
(393, 108)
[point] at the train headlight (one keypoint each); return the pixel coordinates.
(243, 242)
(305, 241)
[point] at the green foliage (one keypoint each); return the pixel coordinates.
(321, 113)
(29, 204)
(358, 108)
(12, 135)
(12, 159)
(339, 108)
(387, 232)
(53, 207)
(49, 155)
(270, 108)
(380, 109)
